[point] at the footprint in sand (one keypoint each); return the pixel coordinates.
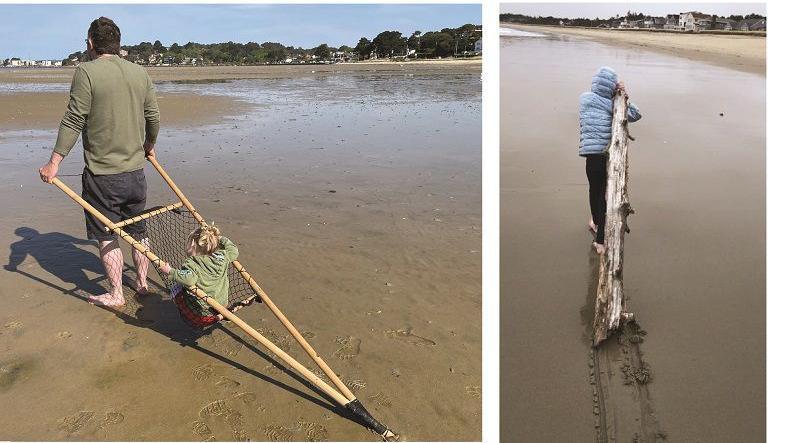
(227, 384)
(314, 431)
(247, 398)
(277, 433)
(308, 335)
(283, 341)
(202, 372)
(76, 422)
(407, 336)
(381, 400)
(63, 335)
(14, 371)
(214, 409)
(272, 370)
(131, 342)
(202, 430)
(234, 420)
(321, 375)
(473, 391)
(240, 435)
(356, 385)
(111, 418)
(14, 325)
(349, 347)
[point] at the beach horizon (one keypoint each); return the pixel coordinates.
(741, 52)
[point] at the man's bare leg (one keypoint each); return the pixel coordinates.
(112, 258)
(141, 263)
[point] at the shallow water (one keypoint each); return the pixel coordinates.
(695, 259)
(356, 204)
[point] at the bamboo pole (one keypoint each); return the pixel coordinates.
(146, 215)
(294, 331)
(175, 189)
(262, 295)
(610, 301)
(302, 370)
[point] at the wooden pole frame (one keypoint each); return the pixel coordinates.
(344, 398)
(261, 294)
(146, 215)
(302, 370)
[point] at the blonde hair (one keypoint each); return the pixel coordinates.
(205, 239)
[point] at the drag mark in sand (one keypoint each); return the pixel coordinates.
(619, 378)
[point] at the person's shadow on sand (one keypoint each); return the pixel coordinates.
(60, 255)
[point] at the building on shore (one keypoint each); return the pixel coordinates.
(754, 24)
(725, 24)
(671, 21)
(694, 21)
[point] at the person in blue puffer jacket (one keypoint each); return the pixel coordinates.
(595, 132)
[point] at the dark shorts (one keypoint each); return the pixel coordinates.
(118, 197)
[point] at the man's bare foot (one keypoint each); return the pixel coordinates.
(141, 290)
(107, 300)
(600, 249)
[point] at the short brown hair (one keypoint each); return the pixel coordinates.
(105, 35)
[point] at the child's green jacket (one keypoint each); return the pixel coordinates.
(209, 273)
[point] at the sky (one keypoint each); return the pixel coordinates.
(54, 31)
(605, 10)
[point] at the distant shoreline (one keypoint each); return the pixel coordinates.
(220, 72)
(740, 52)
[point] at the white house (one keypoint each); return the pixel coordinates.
(694, 21)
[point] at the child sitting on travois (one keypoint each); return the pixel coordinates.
(210, 255)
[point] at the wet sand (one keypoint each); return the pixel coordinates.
(695, 259)
(43, 110)
(355, 200)
(183, 73)
(741, 52)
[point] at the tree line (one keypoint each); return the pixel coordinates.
(630, 16)
(387, 44)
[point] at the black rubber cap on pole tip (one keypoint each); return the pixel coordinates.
(357, 408)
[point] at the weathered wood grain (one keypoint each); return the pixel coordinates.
(610, 301)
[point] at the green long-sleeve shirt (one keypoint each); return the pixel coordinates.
(209, 273)
(113, 106)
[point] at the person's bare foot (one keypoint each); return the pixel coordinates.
(107, 299)
(141, 289)
(592, 226)
(600, 248)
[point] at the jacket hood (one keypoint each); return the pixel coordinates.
(604, 82)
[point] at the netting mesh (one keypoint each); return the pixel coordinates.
(167, 233)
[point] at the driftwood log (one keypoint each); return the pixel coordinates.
(610, 302)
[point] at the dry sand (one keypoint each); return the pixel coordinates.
(745, 53)
(695, 258)
(355, 200)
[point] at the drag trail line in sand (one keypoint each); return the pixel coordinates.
(619, 378)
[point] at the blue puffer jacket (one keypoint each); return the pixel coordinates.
(595, 113)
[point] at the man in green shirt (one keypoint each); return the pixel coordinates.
(113, 107)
